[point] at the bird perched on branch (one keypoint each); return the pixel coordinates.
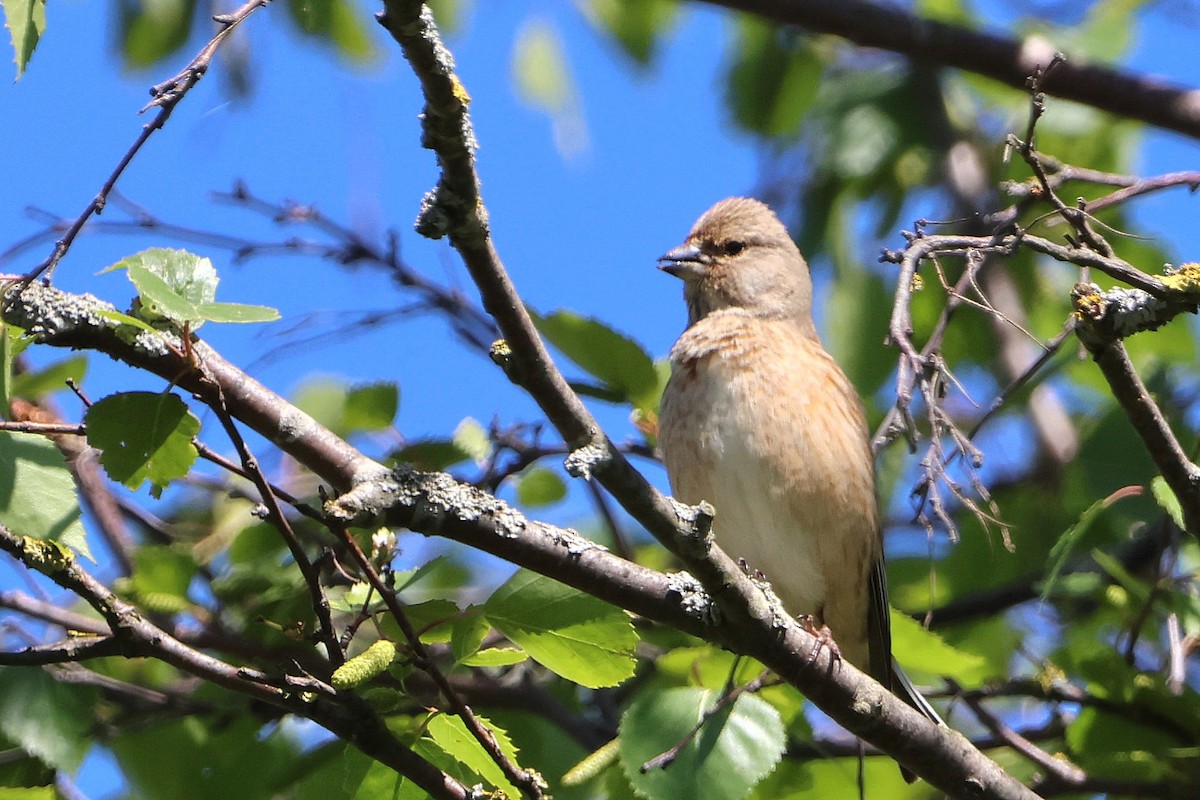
(761, 422)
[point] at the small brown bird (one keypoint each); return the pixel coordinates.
(760, 421)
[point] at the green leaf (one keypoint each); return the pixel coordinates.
(336, 21)
(637, 25)
(618, 361)
(38, 497)
(182, 287)
(151, 30)
(51, 378)
(173, 283)
(774, 80)
(540, 68)
(471, 438)
(161, 577)
(467, 634)
(923, 650)
(451, 735)
(372, 407)
(736, 747)
(323, 399)
(495, 657)
(431, 455)
(1116, 570)
(233, 756)
(1111, 745)
(1166, 499)
(575, 635)
(143, 436)
(26, 22)
(160, 300)
(48, 719)
(125, 319)
(539, 486)
(236, 312)
(8, 348)
(1066, 543)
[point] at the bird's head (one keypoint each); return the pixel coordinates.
(739, 255)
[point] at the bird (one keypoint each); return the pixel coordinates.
(758, 419)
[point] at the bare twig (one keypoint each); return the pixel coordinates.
(166, 96)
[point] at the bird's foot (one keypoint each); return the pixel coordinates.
(823, 636)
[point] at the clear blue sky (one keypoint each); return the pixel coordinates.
(582, 232)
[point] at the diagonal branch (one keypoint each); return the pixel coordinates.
(346, 715)
(1008, 60)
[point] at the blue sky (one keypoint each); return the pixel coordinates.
(580, 232)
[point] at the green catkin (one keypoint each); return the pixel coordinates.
(364, 666)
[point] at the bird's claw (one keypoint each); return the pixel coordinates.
(824, 638)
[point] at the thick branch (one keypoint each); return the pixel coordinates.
(345, 715)
(1007, 60)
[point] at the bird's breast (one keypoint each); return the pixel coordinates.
(758, 420)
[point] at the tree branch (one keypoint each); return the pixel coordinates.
(344, 714)
(1007, 60)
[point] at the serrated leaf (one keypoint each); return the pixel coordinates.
(618, 361)
(575, 635)
(472, 439)
(373, 407)
(451, 735)
(237, 312)
(736, 747)
(48, 719)
(920, 649)
(143, 436)
(189, 276)
(38, 497)
(51, 378)
(26, 22)
(538, 487)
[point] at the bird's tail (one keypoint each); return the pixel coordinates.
(903, 688)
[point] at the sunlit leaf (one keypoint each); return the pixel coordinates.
(736, 747)
(143, 436)
(573, 634)
(621, 363)
(39, 497)
(26, 22)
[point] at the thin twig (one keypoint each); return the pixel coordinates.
(166, 96)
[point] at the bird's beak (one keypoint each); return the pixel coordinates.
(685, 261)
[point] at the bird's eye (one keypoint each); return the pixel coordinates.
(734, 247)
